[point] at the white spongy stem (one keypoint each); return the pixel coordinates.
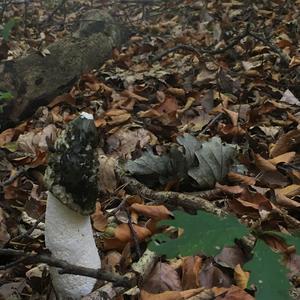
(69, 236)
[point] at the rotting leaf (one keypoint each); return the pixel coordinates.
(157, 212)
(215, 159)
(206, 162)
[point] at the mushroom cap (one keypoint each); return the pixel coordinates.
(71, 175)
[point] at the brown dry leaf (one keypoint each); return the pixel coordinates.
(295, 61)
(241, 178)
(162, 278)
(232, 293)
(131, 94)
(228, 130)
(99, 220)
(234, 116)
(169, 295)
(235, 189)
(123, 235)
(111, 261)
(285, 201)
(287, 142)
(290, 190)
(107, 178)
(231, 256)
(241, 277)
(277, 243)
(295, 176)
(188, 105)
(6, 136)
(100, 122)
(157, 212)
(64, 98)
(164, 111)
(117, 116)
(255, 200)
(285, 158)
(176, 91)
(190, 293)
(263, 164)
(124, 141)
(211, 275)
(190, 272)
(4, 235)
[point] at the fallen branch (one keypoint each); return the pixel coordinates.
(66, 268)
(30, 230)
(187, 201)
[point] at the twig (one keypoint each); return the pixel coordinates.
(29, 231)
(200, 51)
(134, 235)
(186, 201)
(56, 9)
(12, 178)
(66, 268)
(232, 43)
(275, 49)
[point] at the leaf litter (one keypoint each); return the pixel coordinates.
(183, 112)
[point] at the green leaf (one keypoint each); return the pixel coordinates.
(268, 274)
(203, 232)
(8, 28)
(6, 96)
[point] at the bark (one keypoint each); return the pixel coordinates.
(34, 80)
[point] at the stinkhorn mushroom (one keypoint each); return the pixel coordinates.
(71, 179)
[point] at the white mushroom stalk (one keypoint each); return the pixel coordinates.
(71, 178)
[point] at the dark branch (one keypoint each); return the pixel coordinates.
(66, 268)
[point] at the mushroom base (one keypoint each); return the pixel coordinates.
(69, 236)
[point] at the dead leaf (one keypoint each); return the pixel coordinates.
(241, 277)
(123, 235)
(230, 257)
(285, 201)
(232, 293)
(239, 178)
(99, 220)
(286, 142)
(107, 178)
(4, 235)
(285, 158)
(162, 278)
(156, 212)
(263, 164)
(190, 272)
(6, 136)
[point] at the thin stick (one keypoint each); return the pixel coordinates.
(66, 268)
(30, 230)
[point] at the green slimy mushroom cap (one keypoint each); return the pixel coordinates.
(71, 175)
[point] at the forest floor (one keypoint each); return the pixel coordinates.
(201, 109)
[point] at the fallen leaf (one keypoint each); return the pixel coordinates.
(99, 220)
(107, 178)
(190, 272)
(241, 277)
(156, 212)
(162, 278)
(286, 142)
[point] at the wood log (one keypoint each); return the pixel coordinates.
(35, 80)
